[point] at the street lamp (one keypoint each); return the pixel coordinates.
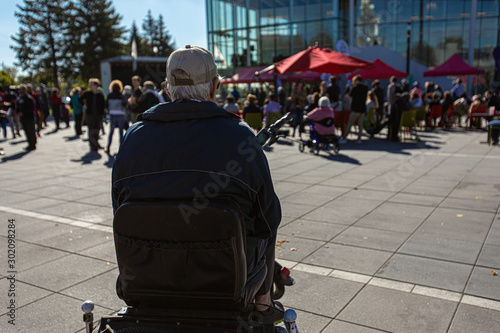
(408, 39)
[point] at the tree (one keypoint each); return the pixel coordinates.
(96, 34)
(134, 33)
(164, 44)
(150, 33)
(42, 36)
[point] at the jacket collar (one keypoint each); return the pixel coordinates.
(185, 109)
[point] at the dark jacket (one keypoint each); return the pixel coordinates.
(94, 103)
(359, 94)
(193, 151)
(26, 105)
(146, 101)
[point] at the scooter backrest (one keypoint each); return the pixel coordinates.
(174, 253)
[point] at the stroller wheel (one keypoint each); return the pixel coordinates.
(336, 148)
(316, 149)
(301, 146)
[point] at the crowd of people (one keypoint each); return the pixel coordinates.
(261, 108)
(30, 108)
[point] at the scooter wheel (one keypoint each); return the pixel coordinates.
(301, 146)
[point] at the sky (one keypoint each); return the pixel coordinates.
(185, 21)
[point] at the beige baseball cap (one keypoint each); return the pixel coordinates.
(196, 61)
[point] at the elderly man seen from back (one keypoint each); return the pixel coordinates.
(176, 149)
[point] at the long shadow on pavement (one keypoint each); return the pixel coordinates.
(88, 158)
(15, 156)
(111, 160)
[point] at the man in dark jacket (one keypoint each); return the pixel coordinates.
(358, 94)
(25, 108)
(93, 102)
(192, 149)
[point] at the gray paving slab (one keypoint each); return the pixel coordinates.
(327, 301)
(64, 272)
(475, 319)
(339, 326)
(427, 272)
(58, 235)
(489, 256)
(296, 248)
(362, 194)
(460, 224)
(309, 322)
(21, 293)
(416, 199)
(494, 233)
(326, 190)
(312, 199)
(68, 209)
(372, 238)
(100, 289)
(30, 255)
(395, 217)
(349, 258)
(331, 215)
(397, 311)
(104, 251)
(55, 313)
(438, 247)
(295, 210)
(476, 203)
(485, 283)
(322, 231)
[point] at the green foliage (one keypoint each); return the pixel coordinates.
(5, 78)
(156, 37)
(96, 34)
(42, 35)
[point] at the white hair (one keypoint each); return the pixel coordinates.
(324, 102)
(198, 91)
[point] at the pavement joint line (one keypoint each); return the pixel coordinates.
(59, 219)
(395, 285)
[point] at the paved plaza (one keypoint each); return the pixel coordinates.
(384, 237)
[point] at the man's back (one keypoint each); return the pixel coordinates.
(358, 94)
(195, 151)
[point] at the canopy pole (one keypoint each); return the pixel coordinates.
(472, 35)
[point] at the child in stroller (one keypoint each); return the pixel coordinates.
(322, 130)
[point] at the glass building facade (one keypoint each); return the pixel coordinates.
(244, 33)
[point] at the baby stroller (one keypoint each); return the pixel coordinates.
(320, 142)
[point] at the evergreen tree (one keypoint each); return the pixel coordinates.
(134, 33)
(150, 34)
(165, 46)
(42, 36)
(96, 35)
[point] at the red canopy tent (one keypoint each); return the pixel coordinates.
(322, 60)
(247, 75)
(454, 66)
(380, 70)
